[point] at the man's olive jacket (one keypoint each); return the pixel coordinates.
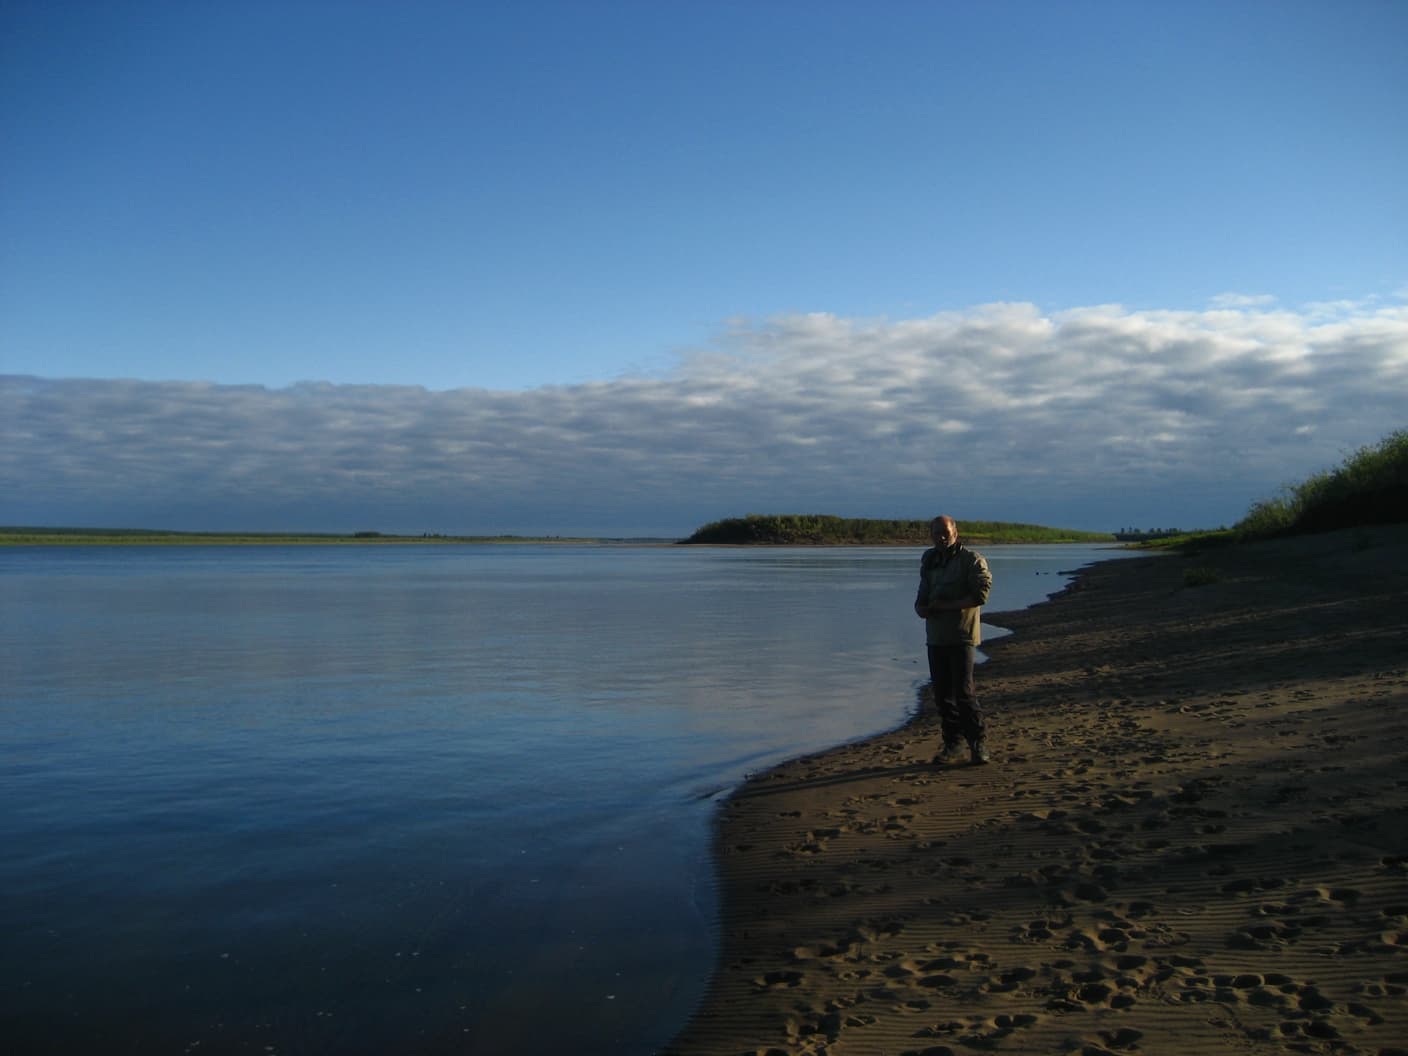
(947, 575)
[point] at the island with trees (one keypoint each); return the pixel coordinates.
(820, 529)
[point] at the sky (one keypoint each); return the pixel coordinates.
(623, 268)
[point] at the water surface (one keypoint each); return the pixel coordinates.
(374, 799)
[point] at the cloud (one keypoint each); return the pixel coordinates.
(1243, 300)
(1094, 416)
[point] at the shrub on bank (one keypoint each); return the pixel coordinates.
(1371, 487)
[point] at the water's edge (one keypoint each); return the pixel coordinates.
(915, 716)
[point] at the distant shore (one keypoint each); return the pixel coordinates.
(1193, 838)
(151, 537)
(145, 537)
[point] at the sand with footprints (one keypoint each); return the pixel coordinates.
(1193, 837)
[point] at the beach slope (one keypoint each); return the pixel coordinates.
(1193, 837)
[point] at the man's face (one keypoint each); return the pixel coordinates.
(944, 533)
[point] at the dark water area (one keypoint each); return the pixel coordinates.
(422, 799)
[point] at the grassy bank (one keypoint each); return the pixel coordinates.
(1370, 487)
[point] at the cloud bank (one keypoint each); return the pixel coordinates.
(1095, 417)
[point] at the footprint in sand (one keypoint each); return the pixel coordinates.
(814, 842)
(1317, 1030)
(874, 931)
(1009, 980)
(1041, 930)
(1111, 1042)
(1275, 935)
(1395, 984)
(1089, 987)
(823, 951)
(813, 1024)
(779, 980)
(897, 826)
(979, 1033)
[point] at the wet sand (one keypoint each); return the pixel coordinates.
(1193, 837)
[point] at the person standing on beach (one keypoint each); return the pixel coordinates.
(953, 585)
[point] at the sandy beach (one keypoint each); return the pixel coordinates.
(1192, 839)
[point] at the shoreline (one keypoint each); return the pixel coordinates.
(1193, 837)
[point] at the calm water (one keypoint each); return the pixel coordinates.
(376, 799)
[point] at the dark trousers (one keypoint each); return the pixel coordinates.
(955, 694)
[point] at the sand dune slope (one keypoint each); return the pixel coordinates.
(1193, 838)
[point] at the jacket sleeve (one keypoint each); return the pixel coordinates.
(979, 579)
(921, 596)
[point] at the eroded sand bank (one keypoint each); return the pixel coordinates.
(1193, 838)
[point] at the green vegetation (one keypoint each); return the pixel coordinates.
(1200, 577)
(1189, 541)
(820, 529)
(1370, 487)
(157, 537)
(1147, 535)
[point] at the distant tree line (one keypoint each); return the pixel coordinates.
(820, 529)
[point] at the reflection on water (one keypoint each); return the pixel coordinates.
(376, 799)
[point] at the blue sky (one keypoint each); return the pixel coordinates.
(785, 222)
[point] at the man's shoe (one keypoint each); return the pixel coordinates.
(952, 753)
(979, 752)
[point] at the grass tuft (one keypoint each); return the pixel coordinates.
(1200, 577)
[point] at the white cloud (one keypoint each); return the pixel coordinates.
(1097, 416)
(1242, 300)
